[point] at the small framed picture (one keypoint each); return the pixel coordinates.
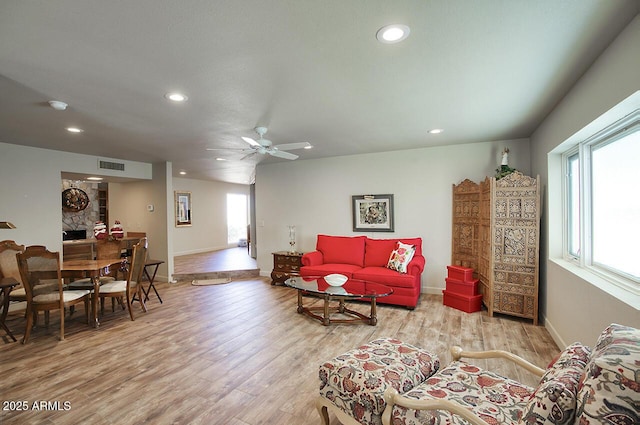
(372, 213)
(183, 208)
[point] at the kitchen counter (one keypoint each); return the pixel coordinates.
(85, 249)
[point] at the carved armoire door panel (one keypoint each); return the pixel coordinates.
(496, 231)
(465, 233)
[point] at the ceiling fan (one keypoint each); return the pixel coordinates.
(263, 146)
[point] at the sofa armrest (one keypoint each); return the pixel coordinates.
(392, 397)
(416, 265)
(313, 258)
(457, 353)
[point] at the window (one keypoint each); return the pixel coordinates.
(602, 229)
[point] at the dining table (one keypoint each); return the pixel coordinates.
(92, 269)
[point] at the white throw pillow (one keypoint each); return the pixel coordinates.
(401, 257)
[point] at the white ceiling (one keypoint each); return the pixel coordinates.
(308, 70)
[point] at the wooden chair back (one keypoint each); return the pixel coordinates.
(138, 259)
(8, 261)
(108, 249)
(42, 279)
(40, 272)
(136, 234)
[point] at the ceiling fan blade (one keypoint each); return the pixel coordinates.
(251, 141)
(292, 146)
(282, 154)
(226, 149)
(249, 155)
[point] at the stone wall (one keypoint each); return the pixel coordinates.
(85, 219)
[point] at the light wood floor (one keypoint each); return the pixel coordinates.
(234, 354)
(223, 260)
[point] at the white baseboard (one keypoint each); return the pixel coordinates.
(554, 334)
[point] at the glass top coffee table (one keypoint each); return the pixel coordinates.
(351, 290)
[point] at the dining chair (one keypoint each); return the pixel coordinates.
(42, 279)
(139, 235)
(106, 249)
(131, 289)
(9, 268)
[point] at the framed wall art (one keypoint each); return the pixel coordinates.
(183, 208)
(372, 213)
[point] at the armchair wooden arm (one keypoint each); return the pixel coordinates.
(457, 353)
(392, 397)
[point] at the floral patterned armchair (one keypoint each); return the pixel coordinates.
(582, 385)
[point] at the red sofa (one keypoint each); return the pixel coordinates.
(360, 257)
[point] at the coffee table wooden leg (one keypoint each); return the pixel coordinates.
(300, 308)
(326, 320)
(374, 315)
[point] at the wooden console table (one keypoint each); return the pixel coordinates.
(285, 265)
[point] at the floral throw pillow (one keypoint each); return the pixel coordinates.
(401, 257)
(610, 391)
(554, 402)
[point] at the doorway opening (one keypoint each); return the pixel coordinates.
(237, 218)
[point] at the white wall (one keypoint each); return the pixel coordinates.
(315, 195)
(575, 310)
(128, 203)
(209, 215)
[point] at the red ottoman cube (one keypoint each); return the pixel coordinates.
(464, 274)
(461, 287)
(468, 304)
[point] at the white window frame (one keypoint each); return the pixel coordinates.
(610, 134)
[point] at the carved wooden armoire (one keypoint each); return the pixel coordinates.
(496, 231)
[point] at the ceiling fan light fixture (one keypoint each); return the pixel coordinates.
(395, 33)
(309, 146)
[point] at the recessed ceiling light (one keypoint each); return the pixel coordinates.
(392, 33)
(436, 131)
(176, 97)
(58, 105)
(221, 159)
(94, 178)
(74, 130)
(182, 173)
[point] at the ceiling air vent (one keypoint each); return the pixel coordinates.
(108, 165)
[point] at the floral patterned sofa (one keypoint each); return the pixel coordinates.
(583, 385)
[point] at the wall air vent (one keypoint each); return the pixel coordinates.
(109, 165)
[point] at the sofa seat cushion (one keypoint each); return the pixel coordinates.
(610, 391)
(342, 249)
(356, 381)
(494, 398)
(385, 276)
(554, 402)
(325, 269)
